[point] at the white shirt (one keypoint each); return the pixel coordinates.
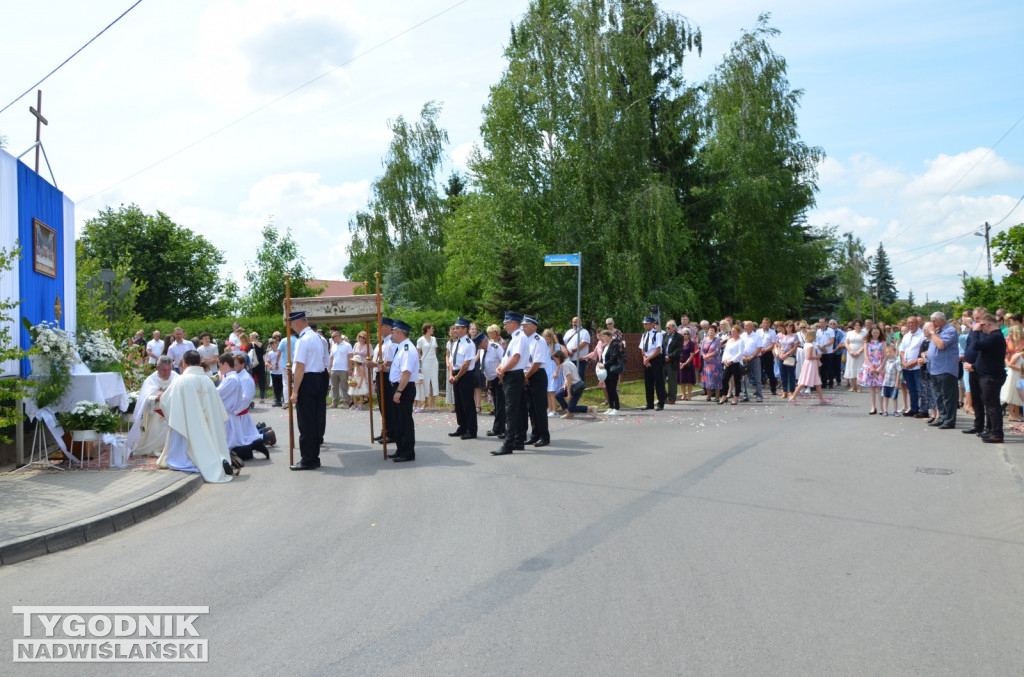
(339, 358)
(405, 358)
(733, 350)
(156, 347)
(539, 351)
(492, 358)
(176, 350)
(650, 342)
(749, 343)
(910, 348)
(463, 352)
(574, 339)
(310, 352)
(233, 338)
(517, 346)
(768, 338)
(274, 361)
(824, 338)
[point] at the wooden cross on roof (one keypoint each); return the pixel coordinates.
(40, 121)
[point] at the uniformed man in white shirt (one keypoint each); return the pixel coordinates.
(463, 380)
(654, 364)
(402, 375)
(510, 371)
(309, 390)
(536, 380)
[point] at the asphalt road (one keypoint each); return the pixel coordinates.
(765, 539)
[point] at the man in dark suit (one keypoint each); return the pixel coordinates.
(980, 424)
(673, 344)
(987, 356)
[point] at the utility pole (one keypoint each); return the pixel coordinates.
(988, 248)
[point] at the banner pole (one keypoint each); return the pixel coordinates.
(380, 379)
(288, 365)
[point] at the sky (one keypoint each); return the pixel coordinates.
(188, 107)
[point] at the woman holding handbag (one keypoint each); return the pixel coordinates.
(613, 361)
(785, 351)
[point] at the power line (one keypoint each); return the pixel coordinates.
(137, 2)
(274, 101)
(983, 157)
(934, 244)
(1009, 212)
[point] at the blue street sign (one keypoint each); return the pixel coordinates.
(562, 260)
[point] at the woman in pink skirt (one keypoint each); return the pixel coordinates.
(809, 372)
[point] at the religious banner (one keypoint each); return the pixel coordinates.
(337, 309)
(41, 220)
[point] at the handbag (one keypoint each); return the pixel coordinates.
(789, 361)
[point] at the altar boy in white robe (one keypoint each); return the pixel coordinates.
(242, 434)
(148, 433)
(196, 416)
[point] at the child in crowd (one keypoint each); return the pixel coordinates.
(891, 382)
(809, 371)
(358, 389)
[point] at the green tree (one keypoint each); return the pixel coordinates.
(762, 179)
(106, 299)
(881, 282)
(12, 388)
(910, 300)
(588, 142)
(402, 222)
(853, 266)
(277, 256)
(178, 266)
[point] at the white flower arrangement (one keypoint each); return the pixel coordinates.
(86, 415)
(54, 343)
(97, 348)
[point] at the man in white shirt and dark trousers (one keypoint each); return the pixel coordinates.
(768, 339)
(824, 339)
(309, 390)
(404, 372)
(910, 351)
(536, 380)
(654, 364)
(577, 343)
(510, 371)
(382, 356)
(463, 380)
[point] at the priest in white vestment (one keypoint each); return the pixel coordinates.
(196, 416)
(148, 433)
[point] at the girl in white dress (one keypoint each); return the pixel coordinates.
(426, 387)
(358, 386)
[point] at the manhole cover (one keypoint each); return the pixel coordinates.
(935, 471)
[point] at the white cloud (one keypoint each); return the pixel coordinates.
(968, 171)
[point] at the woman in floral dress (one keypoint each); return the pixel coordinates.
(872, 372)
(711, 359)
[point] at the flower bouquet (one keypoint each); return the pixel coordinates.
(98, 351)
(87, 415)
(52, 355)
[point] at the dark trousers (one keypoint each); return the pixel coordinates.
(978, 400)
(990, 387)
(611, 385)
(278, 381)
(912, 379)
(788, 378)
(733, 371)
(672, 378)
(574, 397)
(768, 370)
(512, 383)
(307, 410)
(654, 381)
(321, 415)
(946, 396)
(836, 365)
(259, 374)
(386, 404)
(405, 428)
(465, 406)
(537, 392)
(498, 393)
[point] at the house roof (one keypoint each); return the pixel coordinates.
(336, 287)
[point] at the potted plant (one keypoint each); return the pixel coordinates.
(86, 421)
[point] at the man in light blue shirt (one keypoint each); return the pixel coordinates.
(943, 359)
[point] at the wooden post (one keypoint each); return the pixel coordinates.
(366, 371)
(288, 367)
(380, 379)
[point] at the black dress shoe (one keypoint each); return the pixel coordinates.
(934, 423)
(378, 439)
(947, 426)
(992, 439)
(392, 455)
(971, 431)
(660, 407)
(649, 408)
(922, 414)
(228, 470)
(542, 443)
(391, 440)
(491, 433)
(468, 436)
(518, 447)
(501, 452)
(403, 459)
(303, 465)
(457, 433)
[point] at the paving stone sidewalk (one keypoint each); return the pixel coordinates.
(43, 511)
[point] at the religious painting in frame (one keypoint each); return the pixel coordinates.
(44, 249)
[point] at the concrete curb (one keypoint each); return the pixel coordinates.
(98, 526)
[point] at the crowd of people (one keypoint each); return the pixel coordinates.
(924, 368)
